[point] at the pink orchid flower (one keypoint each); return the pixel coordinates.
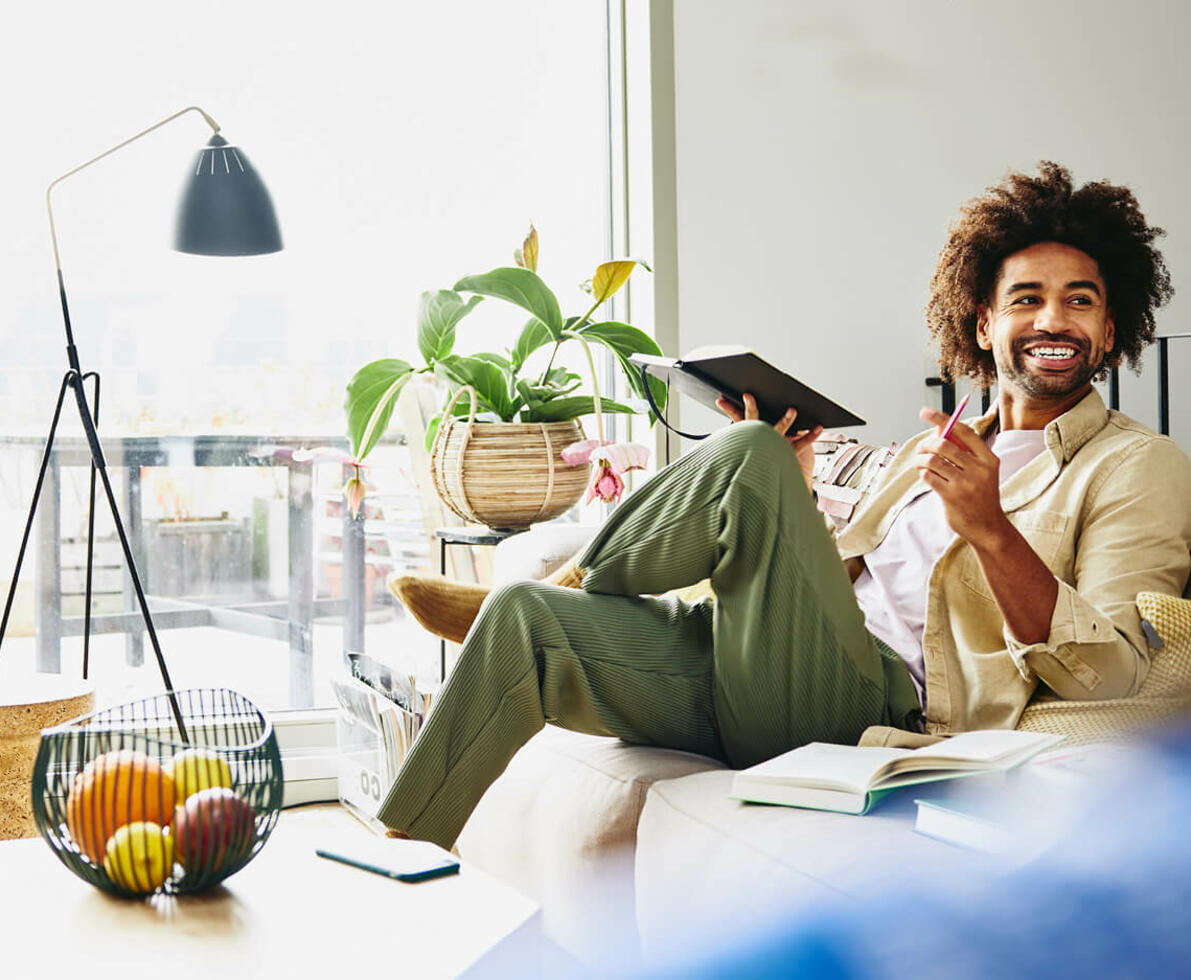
(355, 488)
(578, 453)
(605, 484)
(609, 462)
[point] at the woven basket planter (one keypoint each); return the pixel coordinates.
(507, 475)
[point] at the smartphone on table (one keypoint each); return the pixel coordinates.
(401, 860)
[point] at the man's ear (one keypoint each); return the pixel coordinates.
(1110, 332)
(983, 340)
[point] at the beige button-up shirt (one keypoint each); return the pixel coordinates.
(1107, 507)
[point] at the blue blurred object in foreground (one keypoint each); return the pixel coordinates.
(1111, 900)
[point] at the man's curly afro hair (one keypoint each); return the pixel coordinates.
(1100, 219)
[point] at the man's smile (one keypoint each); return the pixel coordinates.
(1053, 355)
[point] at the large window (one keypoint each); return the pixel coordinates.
(405, 145)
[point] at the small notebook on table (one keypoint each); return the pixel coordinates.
(851, 778)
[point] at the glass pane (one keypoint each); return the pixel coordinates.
(404, 147)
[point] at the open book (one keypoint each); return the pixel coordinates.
(706, 373)
(851, 778)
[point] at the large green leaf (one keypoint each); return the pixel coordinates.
(432, 430)
(506, 368)
(519, 286)
(490, 382)
(573, 407)
(499, 360)
(534, 335)
(624, 340)
(371, 395)
(438, 314)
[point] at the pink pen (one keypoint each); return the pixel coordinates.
(959, 410)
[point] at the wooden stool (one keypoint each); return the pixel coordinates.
(26, 707)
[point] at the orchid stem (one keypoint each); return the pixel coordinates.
(558, 343)
(595, 388)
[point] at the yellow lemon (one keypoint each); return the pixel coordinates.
(199, 769)
(139, 856)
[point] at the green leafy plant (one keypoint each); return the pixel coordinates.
(505, 390)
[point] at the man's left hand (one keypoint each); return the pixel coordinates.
(965, 474)
(802, 441)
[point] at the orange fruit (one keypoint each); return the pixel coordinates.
(113, 790)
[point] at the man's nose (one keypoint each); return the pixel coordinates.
(1051, 317)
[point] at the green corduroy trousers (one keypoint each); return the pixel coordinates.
(779, 658)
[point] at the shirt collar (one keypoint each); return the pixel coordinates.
(1067, 434)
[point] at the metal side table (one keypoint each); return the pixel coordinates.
(463, 536)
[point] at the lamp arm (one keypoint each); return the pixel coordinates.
(119, 146)
(71, 353)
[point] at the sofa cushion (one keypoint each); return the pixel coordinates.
(539, 551)
(560, 824)
(708, 865)
(1165, 694)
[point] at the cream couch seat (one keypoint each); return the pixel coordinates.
(641, 847)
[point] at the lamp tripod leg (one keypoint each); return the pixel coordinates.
(45, 462)
(90, 539)
(100, 466)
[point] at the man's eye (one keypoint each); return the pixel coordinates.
(1027, 301)
(1082, 300)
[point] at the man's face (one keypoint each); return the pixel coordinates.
(1047, 323)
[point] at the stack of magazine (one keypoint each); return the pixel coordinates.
(381, 711)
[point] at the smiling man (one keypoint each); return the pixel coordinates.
(1005, 560)
(989, 566)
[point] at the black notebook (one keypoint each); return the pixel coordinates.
(709, 372)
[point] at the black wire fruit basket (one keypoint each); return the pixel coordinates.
(171, 794)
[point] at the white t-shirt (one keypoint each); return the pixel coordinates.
(891, 590)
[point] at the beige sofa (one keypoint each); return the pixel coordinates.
(633, 850)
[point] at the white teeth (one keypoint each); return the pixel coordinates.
(1058, 353)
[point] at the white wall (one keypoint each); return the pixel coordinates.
(822, 149)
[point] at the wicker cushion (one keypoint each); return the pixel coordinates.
(1165, 693)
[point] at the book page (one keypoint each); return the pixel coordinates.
(986, 746)
(822, 764)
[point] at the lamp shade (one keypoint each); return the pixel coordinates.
(225, 208)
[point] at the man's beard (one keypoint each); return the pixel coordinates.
(1050, 385)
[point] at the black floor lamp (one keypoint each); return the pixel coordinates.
(225, 210)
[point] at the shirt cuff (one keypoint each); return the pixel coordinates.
(1073, 622)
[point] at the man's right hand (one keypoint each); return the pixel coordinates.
(802, 441)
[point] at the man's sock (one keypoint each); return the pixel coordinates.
(448, 608)
(445, 608)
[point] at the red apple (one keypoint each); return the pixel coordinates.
(215, 827)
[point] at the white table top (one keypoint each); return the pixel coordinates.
(287, 914)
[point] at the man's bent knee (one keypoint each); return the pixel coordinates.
(758, 449)
(511, 595)
(748, 436)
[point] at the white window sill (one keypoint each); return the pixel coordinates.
(307, 740)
